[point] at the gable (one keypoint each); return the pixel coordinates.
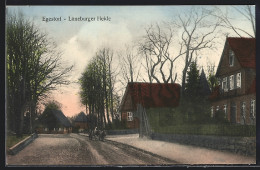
(244, 55)
(244, 49)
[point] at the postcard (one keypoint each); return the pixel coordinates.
(130, 85)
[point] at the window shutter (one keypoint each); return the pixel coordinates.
(231, 82)
(225, 84)
(228, 82)
(235, 81)
(238, 83)
(252, 108)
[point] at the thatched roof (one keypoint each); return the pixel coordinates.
(81, 117)
(61, 118)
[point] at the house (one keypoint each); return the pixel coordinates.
(141, 96)
(80, 122)
(54, 121)
(235, 94)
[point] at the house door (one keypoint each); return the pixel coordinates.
(233, 112)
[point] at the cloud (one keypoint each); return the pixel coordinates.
(83, 45)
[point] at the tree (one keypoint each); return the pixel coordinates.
(97, 87)
(155, 46)
(198, 32)
(34, 68)
(129, 64)
(212, 79)
(192, 85)
(92, 121)
(53, 104)
(204, 89)
(246, 14)
(47, 117)
(194, 103)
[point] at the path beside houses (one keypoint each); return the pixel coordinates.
(184, 154)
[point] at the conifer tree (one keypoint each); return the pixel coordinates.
(195, 106)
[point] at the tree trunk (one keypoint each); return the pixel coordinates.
(183, 81)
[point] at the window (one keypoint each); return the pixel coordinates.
(224, 84)
(238, 80)
(225, 110)
(252, 109)
(212, 111)
(243, 113)
(231, 58)
(60, 129)
(231, 82)
(217, 108)
(129, 116)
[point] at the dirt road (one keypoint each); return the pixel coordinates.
(73, 149)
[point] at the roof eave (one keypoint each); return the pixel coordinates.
(221, 57)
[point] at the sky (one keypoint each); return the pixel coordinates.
(79, 40)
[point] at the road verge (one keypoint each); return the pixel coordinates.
(22, 144)
(119, 144)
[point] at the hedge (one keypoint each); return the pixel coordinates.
(210, 129)
(169, 120)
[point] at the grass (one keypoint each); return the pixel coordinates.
(12, 140)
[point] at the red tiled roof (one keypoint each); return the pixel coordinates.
(245, 50)
(152, 95)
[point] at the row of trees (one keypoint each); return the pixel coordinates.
(97, 88)
(33, 69)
